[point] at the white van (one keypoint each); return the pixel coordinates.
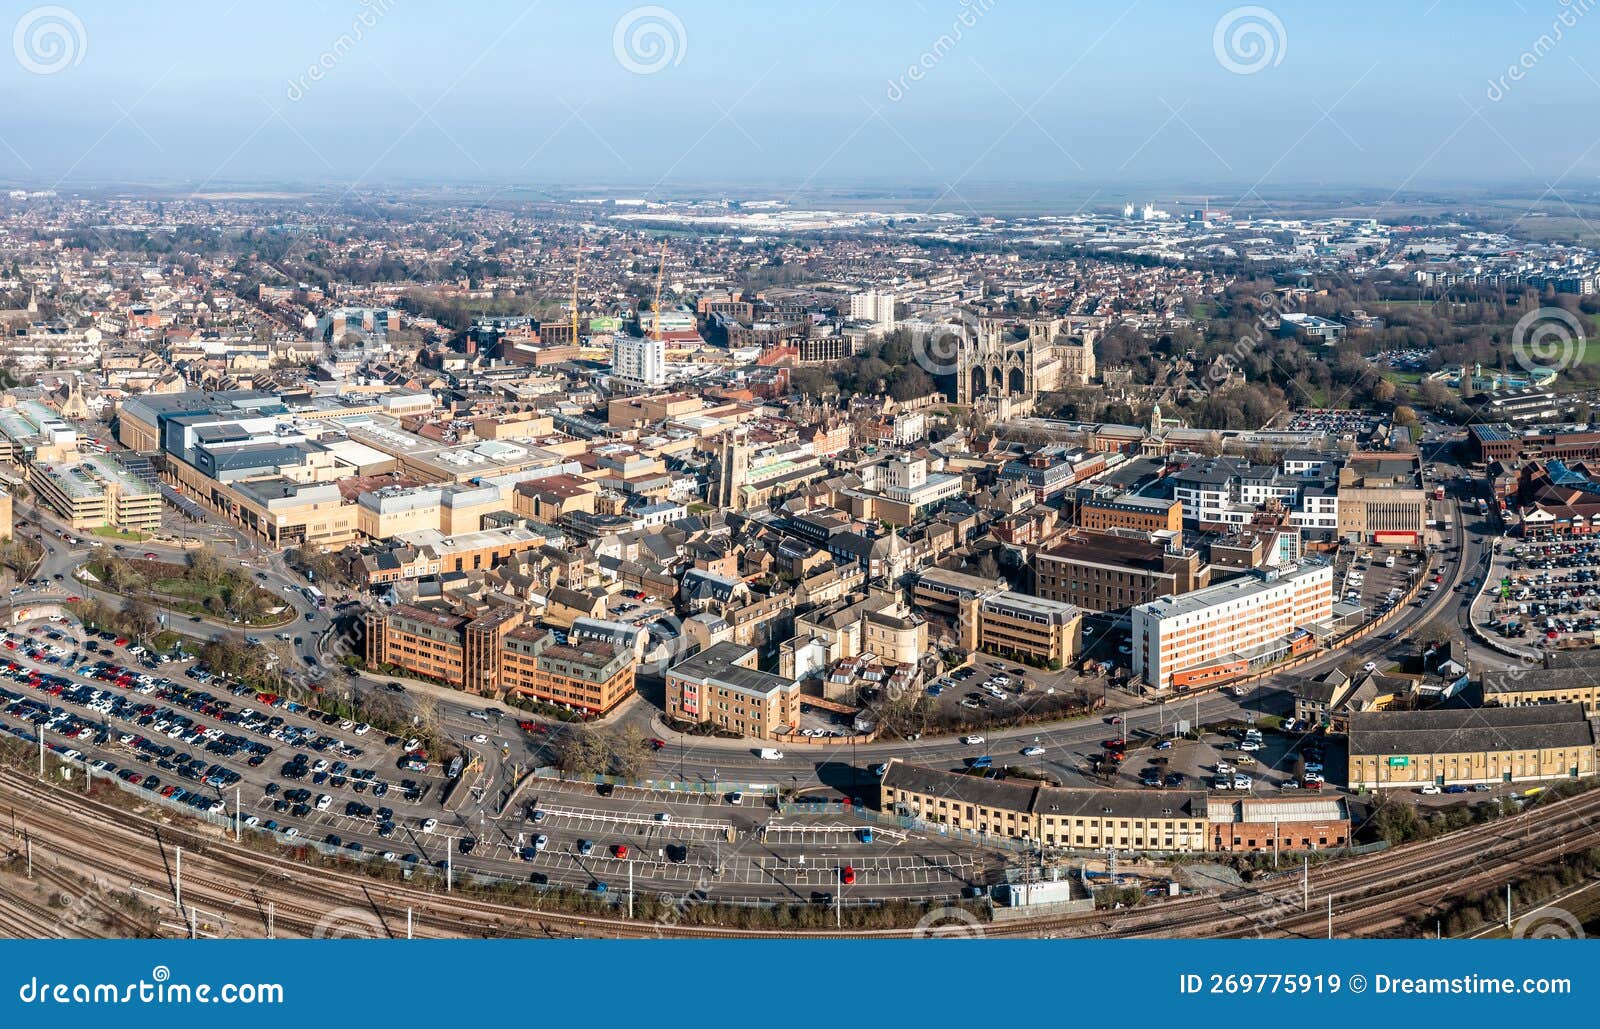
(1388, 562)
(769, 754)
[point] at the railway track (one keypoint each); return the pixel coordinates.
(242, 892)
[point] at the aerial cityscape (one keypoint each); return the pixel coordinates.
(615, 499)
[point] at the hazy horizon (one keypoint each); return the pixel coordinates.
(957, 100)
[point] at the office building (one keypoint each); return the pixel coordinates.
(639, 361)
(1225, 630)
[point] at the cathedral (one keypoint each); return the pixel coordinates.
(1023, 359)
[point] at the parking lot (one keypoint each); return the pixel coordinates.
(1376, 578)
(1545, 593)
(1241, 758)
(991, 691)
(174, 729)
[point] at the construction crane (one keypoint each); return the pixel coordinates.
(577, 271)
(661, 274)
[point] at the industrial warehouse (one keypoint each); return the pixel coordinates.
(1470, 746)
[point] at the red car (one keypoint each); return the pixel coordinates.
(619, 850)
(1114, 744)
(149, 556)
(847, 875)
(658, 744)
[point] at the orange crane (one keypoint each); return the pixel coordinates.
(661, 274)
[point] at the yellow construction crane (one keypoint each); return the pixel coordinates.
(661, 274)
(576, 273)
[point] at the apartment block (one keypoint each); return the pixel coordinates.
(1104, 571)
(722, 685)
(1225, 630)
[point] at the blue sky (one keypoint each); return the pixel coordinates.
(1386, 95)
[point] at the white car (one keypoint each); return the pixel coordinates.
(324, 802)
(363, 729)
(1430, 790)
(1370, 666)
(479, 738)
(1032, 751)
(972, 741)
(1249, 745)
(1289, 784)
(1314, 777)
(430, 824)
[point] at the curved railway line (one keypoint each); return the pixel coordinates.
(237, 891)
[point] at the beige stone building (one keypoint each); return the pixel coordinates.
(721, 685)
(1466, 746)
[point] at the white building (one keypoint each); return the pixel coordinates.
(641, 361)
(873, 306)
(1222, 631)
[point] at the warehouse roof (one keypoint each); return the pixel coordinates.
(1464, 730)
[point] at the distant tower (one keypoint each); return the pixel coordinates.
(1155, 420)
